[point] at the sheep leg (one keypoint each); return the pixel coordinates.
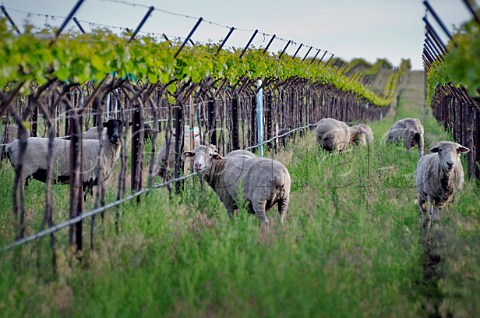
(282, 209)
(436, 212)
(425, 213)
(259, 208)
(230, 205)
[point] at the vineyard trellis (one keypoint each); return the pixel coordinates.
(225, 113)
(452, 105)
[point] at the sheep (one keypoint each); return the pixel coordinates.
(241, 152)
(9, 134)
(35, 157)
(265, 182)
(161, 163)
(439, 176)
(332, 135)
(410, 130)
(361, 134)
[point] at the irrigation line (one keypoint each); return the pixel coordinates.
(89, 214)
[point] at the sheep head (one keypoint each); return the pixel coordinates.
(114, 127)
(203, 157)
(449, 153)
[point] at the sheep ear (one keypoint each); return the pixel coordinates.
(216, 156)
(434, 149)
(189, 154)
(463, 149)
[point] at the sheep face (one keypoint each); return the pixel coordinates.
(449, 154)
(203, 157)
(114, 127)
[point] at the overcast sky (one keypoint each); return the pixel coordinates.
(369, 29)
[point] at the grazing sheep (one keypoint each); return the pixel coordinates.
(161, 162)
(410, 130)
(265, 182)
(439, 176)
(361, 134)
(9, 134)
(332, 135)
(35, 158)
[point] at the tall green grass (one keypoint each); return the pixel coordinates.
(351, 246)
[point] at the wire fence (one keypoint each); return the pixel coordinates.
(452, 106)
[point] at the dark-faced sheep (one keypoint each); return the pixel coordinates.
(265, 182)
(439, 176)
(408, 130)
(332, 135)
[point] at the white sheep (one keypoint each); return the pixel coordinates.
(240, 152)
(265, 182)
(332, 135)
(361, 134)
(408, 130)
(439, 176)
(161, 162)
(35, 157)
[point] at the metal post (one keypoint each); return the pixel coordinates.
(78, 25)
(437, 18)
(225, 40)
(285, 48)
(324, 56)
(212, 124)
(64, 24)
(260, 116)
(188, 36)
(434, 33)
(307, 53)
(248, 44)
(137, 149)
(328, 62)
(270, 42)
(235, 131)
(316, 54)
(472, 11)
(76, 186)
(141, 23)
(296, 52)
(9, 19)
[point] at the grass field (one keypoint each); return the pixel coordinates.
(352, 246)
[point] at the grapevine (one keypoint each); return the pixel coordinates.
(79, 58)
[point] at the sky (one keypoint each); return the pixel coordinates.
(369, 29)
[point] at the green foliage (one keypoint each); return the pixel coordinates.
(79, 58)
(461, 66)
